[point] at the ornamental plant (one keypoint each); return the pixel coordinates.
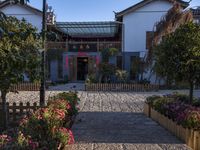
(176, 107)
(72, 101)
(46, 128)
(46, 121)
(190, 118)
(65, 135)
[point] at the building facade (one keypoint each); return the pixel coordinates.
(74, 50)
(78, 47)
(196, 14)
(27, 12)
(139, 23)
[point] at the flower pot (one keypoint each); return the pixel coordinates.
(189, 136)
(147, 110)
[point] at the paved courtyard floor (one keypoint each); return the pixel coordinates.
(114, 121)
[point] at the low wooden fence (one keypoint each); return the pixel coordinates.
(17, 111)
(189, 136)
(25, 87)
(120, 87)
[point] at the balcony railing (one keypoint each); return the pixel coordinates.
(84, 46)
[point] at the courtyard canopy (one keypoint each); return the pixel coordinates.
(89, 29)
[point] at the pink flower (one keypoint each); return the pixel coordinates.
(71, 137)
(60, 114)
(68, 106)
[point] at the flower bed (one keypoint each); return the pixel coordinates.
(46, 128)
(178, 116)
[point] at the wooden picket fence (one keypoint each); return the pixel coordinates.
(120, 87)
(26, 86)
(17, 111)
(189, 136)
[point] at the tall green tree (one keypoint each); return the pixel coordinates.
(175, 17)
(19, 55)
(177, 57)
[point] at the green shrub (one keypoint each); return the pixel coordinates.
(70, 97)
(91, 78)
(159, 104)
(150, 99)
(181, 97)
(121, 75)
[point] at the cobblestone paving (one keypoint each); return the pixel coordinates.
(114, 121)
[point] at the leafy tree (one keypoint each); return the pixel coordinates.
(107, 53)
(177, 57)
(175, 17)
(19, 54)
(106, 71)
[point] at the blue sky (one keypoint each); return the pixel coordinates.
(89, 10)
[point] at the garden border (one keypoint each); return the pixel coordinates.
(189, 136)
(121, 87)
(17, 111)
(25, 86)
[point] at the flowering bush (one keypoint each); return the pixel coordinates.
(71, 98)
(65, 135)
(175, 106)
(46, 128)
(190, 118)
(173, 109)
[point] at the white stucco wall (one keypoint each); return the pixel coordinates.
(21, 12)
(142, 20)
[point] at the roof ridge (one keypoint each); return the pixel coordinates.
(7, 2)
(145, 2)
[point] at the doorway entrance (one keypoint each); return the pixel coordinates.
(82, 68)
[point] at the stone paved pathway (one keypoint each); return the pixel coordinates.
(114, 121)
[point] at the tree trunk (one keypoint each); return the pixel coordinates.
(4, 110)
(191, 91)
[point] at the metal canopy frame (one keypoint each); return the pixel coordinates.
(89, 29)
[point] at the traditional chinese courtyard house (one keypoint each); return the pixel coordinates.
(77, 50)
